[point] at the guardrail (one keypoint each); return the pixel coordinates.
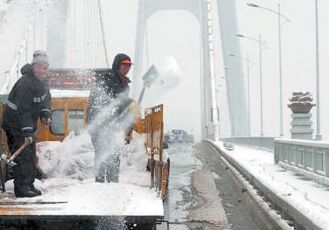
(261, 142)
(309, 158)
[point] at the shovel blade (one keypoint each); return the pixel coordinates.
(7, 161)
(11, 163)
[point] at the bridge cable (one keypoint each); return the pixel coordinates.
(102, 30)
(84, 35)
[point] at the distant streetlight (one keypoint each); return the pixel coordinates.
(261, 44)
(278, 13)
(318, 135)
(249, 64)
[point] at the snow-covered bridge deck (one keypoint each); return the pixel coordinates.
(308, 197)
(68, 199)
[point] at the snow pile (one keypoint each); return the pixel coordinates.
(72, 158)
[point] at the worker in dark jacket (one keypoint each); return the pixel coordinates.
(109, 96)
(28, 101)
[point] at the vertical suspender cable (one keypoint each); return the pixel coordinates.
(84, 34)
(88, 33)
(103, 35)
(87, 25)
(74, 33)
(34, 24)
(92, 33)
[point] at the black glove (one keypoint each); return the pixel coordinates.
(46, 118)
(45, 114)
(127, 141)
(28, 136)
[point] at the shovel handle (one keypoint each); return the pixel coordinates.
(141, 95)
(18, 151)
(23, 146)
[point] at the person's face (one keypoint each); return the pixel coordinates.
(40, 70)
(124, 69)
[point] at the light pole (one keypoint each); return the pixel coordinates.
(278, 13)
(318, 135)
(249, 64)
(260, 44)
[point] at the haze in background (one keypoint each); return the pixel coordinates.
(298, 59)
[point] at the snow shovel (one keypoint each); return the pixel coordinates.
(148, 78)
(10, 161)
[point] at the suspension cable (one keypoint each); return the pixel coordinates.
(103, 35)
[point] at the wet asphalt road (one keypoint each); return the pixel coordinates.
(200, 197)
(179, 201)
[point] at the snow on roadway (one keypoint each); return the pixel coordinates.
(70, 178)
(310, 198)
(87, 197)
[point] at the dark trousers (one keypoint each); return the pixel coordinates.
(25, 170)
(107, 161)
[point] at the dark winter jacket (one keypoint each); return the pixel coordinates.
(108, 87)
(28, 100)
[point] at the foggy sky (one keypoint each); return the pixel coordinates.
(298, 58)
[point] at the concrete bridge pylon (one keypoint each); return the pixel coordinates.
(234, 79)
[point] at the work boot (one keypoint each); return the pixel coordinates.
(35, 190)
(100, 174)
(24, 191)
(100, 179)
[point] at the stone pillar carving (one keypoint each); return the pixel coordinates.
(301, 124)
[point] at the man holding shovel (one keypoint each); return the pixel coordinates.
(28, 100)
(110, 96)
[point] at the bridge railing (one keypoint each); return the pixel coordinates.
(305, 157)
(259, 142)
(309, 158)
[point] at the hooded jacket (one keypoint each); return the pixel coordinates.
(108, 86)
(28, 100)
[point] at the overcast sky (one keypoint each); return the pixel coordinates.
(298, 56)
